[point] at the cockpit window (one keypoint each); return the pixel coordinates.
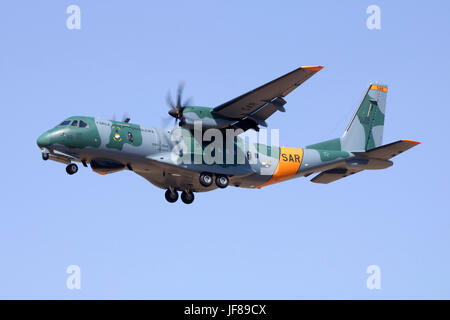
(82, 124)
(64, 123)
(75, 123)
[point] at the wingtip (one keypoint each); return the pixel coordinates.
(313, 68)
(411, 141)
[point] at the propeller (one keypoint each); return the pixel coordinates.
(126, 117)
(176, 109)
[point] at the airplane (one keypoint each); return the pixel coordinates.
(110, 146)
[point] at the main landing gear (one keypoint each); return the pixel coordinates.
(186, 196)
(206, 179)
(171, 195)
(222, 181)
(71, 168)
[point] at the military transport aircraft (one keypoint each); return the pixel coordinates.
(110, 146)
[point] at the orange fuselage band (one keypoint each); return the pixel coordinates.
(288, 164)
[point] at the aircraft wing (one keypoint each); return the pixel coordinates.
(161, 172)
(164, 175)
(254, 107)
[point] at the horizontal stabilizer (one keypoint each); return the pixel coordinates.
(372, 157)
(391, 150)
(333, 175)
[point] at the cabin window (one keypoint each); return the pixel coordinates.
(82, 124)
(64, 123)
(74, 123)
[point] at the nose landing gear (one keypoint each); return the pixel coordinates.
(45, 154)
(71, 168)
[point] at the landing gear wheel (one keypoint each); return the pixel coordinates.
(206, 179)
(222, 181)
(45, 156)
(71, 168)
(171, 196)
(187, 197)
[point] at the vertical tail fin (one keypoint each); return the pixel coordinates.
(365, 130)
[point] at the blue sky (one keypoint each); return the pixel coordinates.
(292, 240)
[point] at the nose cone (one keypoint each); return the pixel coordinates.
(43, 140)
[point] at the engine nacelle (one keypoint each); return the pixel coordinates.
(203, 115)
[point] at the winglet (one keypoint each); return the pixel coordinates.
(313, 68)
